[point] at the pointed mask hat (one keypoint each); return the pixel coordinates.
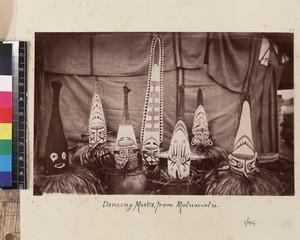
(243, 157)
(152, 125)
(97, 125)
(201, 135)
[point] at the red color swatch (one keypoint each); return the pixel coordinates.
(5, 115)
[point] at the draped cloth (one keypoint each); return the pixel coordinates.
(223, 65)
(233, 59)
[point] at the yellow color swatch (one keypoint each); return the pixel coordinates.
(5, 130)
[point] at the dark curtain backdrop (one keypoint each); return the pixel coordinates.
(223, 65)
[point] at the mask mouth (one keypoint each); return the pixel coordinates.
(59, 165)
(151, 147)
(199, 129)
(97, 126)
(125, 142)
(246, 157)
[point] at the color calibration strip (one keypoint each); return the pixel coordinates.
(15, 147)
(6, 115)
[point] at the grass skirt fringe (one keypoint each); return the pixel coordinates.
(214, 154)
(262, 182)
(93, 159)
(77, 180)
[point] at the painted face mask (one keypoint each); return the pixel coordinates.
(179, 154)
(243, 157)
(126, 148)
(97, 125)
(150, 148)
(201, 135)
(152, 125)
(240, 164)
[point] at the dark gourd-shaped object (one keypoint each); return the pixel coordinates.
(56, 160)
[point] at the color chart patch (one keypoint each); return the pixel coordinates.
(6, 115)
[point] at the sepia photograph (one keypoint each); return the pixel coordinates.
(183, 113)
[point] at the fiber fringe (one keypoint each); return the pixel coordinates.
(262, 183)
(77, 180)
(93, 159)
(216, 154)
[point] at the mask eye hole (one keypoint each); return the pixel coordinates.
(250, 166)
(53, 156)
(63, 155)
(239, 165)
(130, 152)
(173, 158)
(122, 152)
(102, 134)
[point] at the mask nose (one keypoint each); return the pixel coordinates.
(178, 173)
